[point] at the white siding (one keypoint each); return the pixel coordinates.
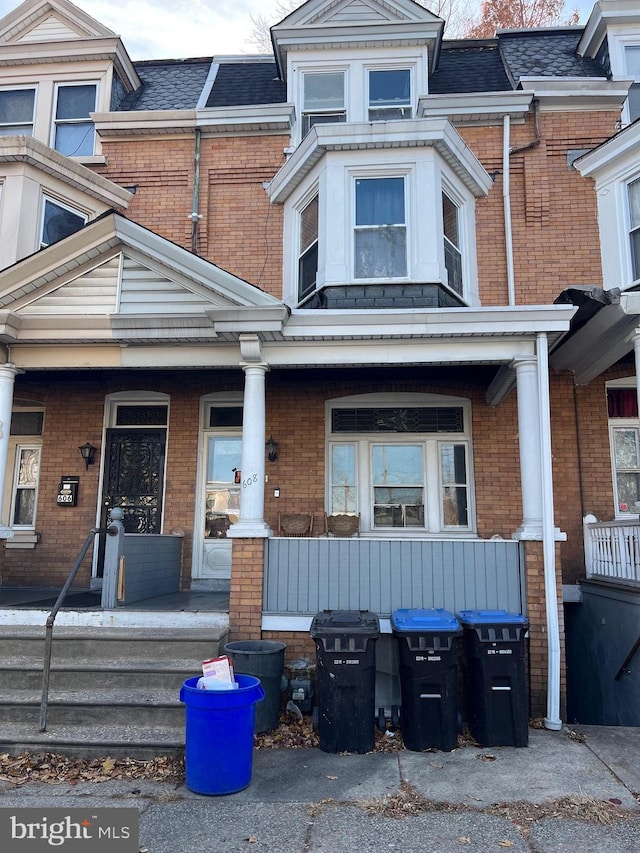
(354, 13)
(146, 291)
(95, 292)
(51, 29)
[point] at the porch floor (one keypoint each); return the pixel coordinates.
(43, 598)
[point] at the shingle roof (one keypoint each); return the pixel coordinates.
(168, 85)
(247, 83)
(537, 53)
(488, 65)
(469, 68)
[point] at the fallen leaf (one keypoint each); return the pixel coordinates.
(107, 765)
(439, 766)
(487, 756)
(464, 839)
(252, 839)
(332, 777)
(505, 843)
(615, 801)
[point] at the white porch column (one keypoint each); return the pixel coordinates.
(529, 440)
(251, 523)
(8, 374)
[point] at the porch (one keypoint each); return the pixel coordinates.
(612, 550)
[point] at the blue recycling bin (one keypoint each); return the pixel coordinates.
(219, 735)
(427, 643)
(495, 676)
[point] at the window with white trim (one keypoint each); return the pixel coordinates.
(624, 436)
(73, 130)
(16, 111)
(401, 467)
(308, 257)
(322, 99)
(389, 94)
(58, 221)
(452, 248)
(633, 190)
(380, 231)
(632, 60)
(25, 447)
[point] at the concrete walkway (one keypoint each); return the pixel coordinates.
(573, 790)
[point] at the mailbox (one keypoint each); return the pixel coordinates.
(68, 491)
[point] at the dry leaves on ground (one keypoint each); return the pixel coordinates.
(52, 768)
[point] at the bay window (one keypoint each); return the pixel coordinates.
(58, 222)
(452, 253)
(322, 99)
(308, 257)
(632, 59)
(16, 111)
(622, 408)
(634, 226)
(401, 468)
(380, 236)
(73, 130)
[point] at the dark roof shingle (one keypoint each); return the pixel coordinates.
(243, 83)
(168, 85)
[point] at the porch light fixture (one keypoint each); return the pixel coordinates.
(272, 449)
(88, 453)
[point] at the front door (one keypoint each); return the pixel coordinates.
(133, 480)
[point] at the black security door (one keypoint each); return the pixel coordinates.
(133, 478)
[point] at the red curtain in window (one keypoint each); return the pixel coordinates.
(622, 403)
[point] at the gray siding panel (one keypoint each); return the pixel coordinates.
(304, 576)
(152, 565)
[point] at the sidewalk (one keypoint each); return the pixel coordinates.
(565, 792)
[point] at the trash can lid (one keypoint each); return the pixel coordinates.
(345, 622)
(436, 619)
(489, 617)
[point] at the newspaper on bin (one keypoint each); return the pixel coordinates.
(217, 674)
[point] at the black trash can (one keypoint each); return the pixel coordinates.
(495, 676)
(427, 643)
(263, 659)
(346, 679)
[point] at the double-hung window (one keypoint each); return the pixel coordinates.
(401, 468)
(308, 256)
(25, 446)
(632, 59)
(380, 238)
(58, 221)
(634, 227)
(16, 111)
(73, 131)
(622, 405)
(322, 99)
(452, 252)
(389, 94)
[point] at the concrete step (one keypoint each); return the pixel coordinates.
(128, 741)
(97, 707)
(25, 673)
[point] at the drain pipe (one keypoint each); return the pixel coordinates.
(506, 201)
(552, 720)
(195, 216)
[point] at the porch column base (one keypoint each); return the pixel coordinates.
(249, 529)
(532, 532)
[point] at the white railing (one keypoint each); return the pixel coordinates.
(612, 549)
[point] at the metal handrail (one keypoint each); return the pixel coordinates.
(51, 618)
(623, 669)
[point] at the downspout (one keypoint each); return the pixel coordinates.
(552, 720)
(506, 200)
(195, 216)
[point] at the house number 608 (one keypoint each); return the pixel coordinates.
(250, 481)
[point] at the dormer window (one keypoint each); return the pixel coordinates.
(389, 94)
(380, 240)
(73, 131)
(632, 57)
(634, 229)
(16, 111)
(323, 99)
